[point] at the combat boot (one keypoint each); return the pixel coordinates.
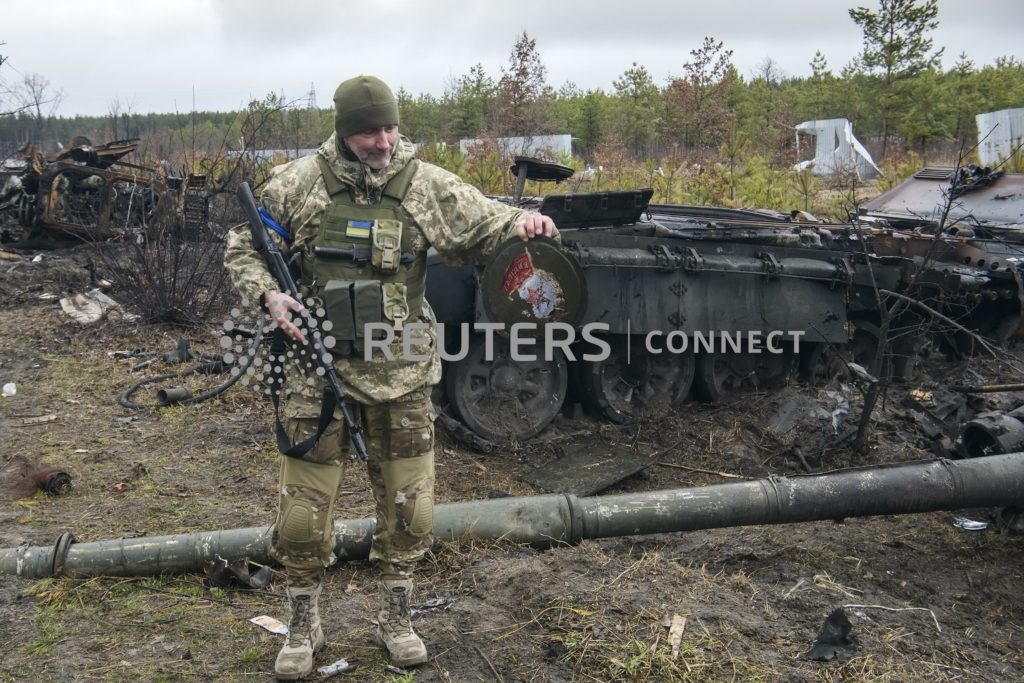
(305, 636)
(394, 624)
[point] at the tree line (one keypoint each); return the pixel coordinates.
(895, 91)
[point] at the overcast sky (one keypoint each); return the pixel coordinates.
(163, 56)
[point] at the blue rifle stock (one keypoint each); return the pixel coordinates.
(265, 245)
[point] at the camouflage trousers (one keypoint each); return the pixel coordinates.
(400, 443)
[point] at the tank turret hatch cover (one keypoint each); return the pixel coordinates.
(535, 282)
(538, 169)
(587, 209)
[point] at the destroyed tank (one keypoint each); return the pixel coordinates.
(670, 303)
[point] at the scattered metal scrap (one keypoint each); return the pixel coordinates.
(834, 637)
(240, 573)
(20, 478)
(88, 192)
(587, 469)
(180, 395)
(993, 432)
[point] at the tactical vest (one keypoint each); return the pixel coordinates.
(364, 264)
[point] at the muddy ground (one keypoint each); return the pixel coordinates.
(753, 599)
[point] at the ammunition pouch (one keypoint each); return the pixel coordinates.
(350, 305)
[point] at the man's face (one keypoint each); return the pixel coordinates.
(374, 147)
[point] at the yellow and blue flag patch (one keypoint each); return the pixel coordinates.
(358, 229)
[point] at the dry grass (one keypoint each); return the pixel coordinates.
(753, 599)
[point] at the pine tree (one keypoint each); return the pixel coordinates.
(469, 99)
(637, 110)
(896, 44)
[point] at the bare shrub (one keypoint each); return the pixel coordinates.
(166, 276)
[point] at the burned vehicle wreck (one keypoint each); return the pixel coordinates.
(700, 303)
(89, 192)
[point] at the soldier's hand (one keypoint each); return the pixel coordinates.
(535, 224)
(283, 309)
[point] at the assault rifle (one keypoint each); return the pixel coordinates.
(333, 395)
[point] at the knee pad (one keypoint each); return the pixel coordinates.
(297, 523)
(304, 530)
(417, 511)
(410, 484)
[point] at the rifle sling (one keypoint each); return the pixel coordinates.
(327, 406)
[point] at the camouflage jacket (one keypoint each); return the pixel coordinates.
(448, 214)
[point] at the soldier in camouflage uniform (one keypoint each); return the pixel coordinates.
(363, 189)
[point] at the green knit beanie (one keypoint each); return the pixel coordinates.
(363, 103)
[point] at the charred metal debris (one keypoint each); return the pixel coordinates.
(88, 192)
(21, 477)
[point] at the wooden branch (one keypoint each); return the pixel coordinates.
(932, 312)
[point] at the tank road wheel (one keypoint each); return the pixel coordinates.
(621, 386)
(864, 344)
(822, 364)
(719, 375)
(903, 354)
(505, 400)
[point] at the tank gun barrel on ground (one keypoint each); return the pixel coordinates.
(996, 480)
